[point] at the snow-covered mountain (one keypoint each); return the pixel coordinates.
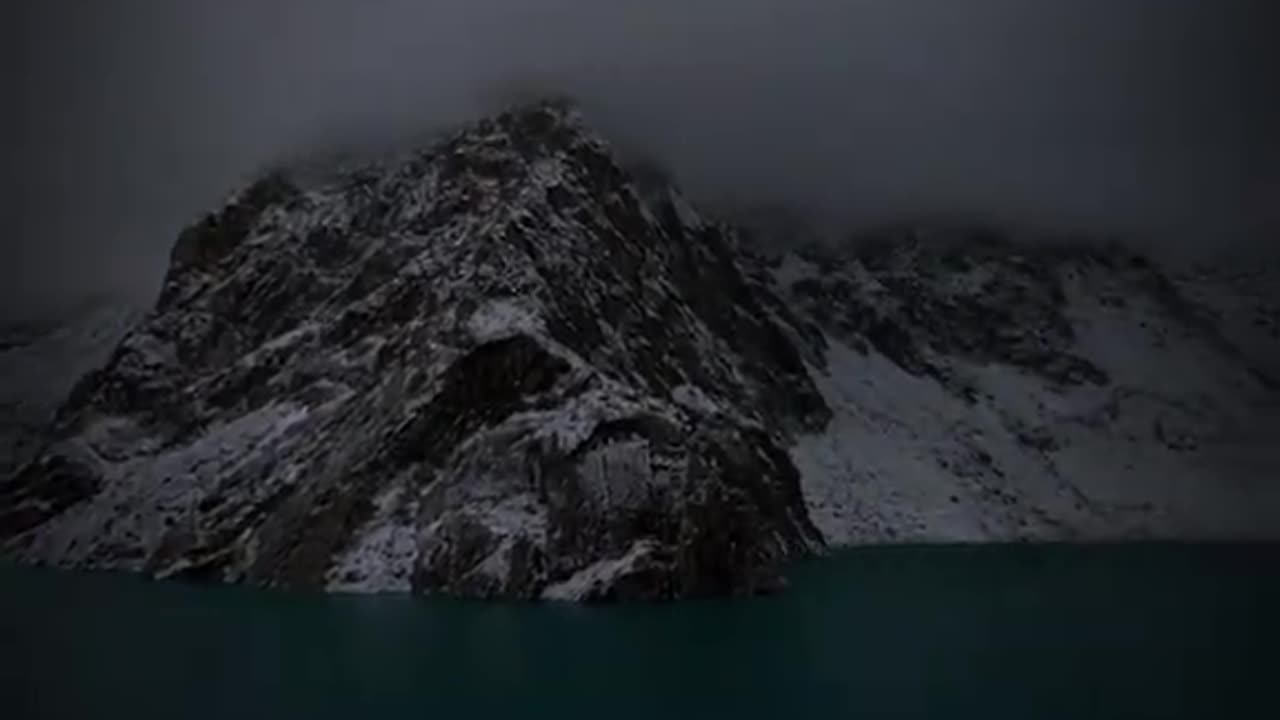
(506, 366)
(985, 390)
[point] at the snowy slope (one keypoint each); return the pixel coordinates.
(1241, 302)
(39, 364)
(1102, 407)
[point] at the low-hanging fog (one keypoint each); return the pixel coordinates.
(1157, 117)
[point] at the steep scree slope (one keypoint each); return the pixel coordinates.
(987, 390)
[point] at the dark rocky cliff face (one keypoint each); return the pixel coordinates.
(491, 368)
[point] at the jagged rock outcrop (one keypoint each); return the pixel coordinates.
(492, 368)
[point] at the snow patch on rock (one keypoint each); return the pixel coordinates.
(592, 581)
(503, 318)
(384, 552)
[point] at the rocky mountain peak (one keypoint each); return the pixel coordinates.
(488, 367)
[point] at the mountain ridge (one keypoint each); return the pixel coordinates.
(504, 367)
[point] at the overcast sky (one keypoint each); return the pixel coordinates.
(132, 117)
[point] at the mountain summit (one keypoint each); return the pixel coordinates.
(505, 367)
(491, 368)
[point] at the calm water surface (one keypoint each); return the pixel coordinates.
(991, 632)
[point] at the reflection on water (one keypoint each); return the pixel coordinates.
(1018, 631)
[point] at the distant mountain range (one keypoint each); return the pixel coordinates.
(506, 366)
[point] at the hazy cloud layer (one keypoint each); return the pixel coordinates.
(132, 117)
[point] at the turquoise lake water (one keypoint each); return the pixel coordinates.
(986, 632)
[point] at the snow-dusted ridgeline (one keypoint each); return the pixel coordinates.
(501, 367)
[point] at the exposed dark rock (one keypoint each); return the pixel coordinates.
(964, 292)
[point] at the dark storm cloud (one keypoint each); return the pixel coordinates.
(1160, 115)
